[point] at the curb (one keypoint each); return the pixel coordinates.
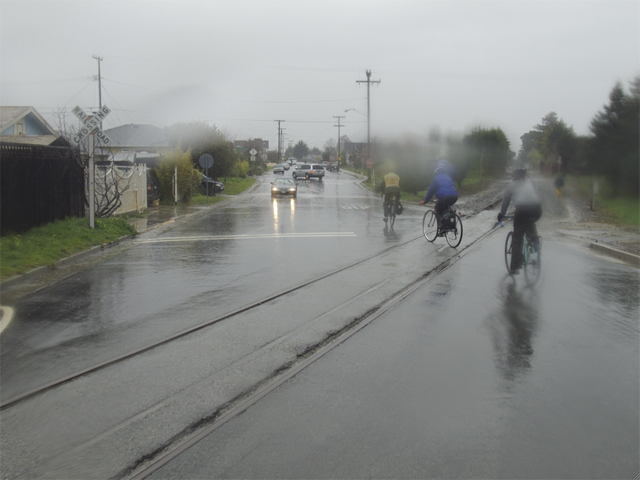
(619, 254)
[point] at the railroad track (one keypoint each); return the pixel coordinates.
(138, 351)
(156, 460)
(150, 462)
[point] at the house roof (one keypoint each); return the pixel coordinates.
(10, 115)
(133, 135)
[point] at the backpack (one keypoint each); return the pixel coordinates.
(448, 219)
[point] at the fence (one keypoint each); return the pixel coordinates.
(126, 182)
(38, 184)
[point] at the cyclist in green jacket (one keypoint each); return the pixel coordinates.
(391, 190)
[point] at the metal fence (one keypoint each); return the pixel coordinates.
(39, 184)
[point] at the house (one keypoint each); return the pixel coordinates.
(24, 125)
(133, 146)
(137, 144)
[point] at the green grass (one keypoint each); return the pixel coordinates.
(47, 244)
(623, 208)
(236, 185)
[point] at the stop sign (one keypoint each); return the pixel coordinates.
(369, 163)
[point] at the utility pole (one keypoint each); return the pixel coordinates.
(279, 138)
(99, 59)
(368, 81)
(338, 125)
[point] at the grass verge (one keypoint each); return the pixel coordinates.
(624, 209)
(47, 244)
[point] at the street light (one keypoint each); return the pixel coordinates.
(353, 109)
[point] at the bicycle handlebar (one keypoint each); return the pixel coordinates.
(505, 216)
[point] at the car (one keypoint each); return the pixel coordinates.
(279, 168)
(286, 166)
(284, 186)
(211, 186)
(309, 170)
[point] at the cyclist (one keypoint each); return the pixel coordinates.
(528, 212)
(391, 190)
(444, 191)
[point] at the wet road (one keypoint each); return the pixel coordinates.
(473, 376)
(497, 357)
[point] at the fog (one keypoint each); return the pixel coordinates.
(241, 65)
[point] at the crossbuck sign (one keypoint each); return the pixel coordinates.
(91, 123)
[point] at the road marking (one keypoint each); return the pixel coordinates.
(7, 315)
(355, 207)
(249, 237)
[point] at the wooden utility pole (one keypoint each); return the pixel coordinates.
(279, 138)
(368, 81)
(338, 125)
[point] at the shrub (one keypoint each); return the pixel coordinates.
(189, 179)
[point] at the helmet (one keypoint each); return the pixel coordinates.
(519, 173)
(441, 166)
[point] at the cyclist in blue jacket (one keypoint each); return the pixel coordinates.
(444, 191)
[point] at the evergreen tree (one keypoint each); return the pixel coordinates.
(614, 148)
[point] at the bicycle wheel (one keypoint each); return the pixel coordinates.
(429, 225)
(507, 251)
(392, 218)
(531, 261)
(454, 235)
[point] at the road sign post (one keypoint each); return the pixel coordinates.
(206, 161)
(91, 128)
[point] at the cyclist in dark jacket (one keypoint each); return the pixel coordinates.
(528, 212)
(444, 191)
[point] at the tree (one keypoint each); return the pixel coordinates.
(488, 151)
(199, 137)
(550, 144)
(300, 150)
(614, 148)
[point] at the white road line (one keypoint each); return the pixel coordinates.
(7, 315)
(249, 237)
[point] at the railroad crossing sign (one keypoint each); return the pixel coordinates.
(91, 123)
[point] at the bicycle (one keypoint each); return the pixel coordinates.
(531, 254)
(451, 231)
(390, 211)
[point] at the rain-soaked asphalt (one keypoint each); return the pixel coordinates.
(471, 376)
(475, 375)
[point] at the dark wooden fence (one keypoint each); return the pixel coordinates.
(38, 185)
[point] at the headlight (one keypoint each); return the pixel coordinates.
(274, 189)
(292, 189)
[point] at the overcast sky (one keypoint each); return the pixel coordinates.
(241, 64)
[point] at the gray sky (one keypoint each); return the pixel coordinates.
(242, 64)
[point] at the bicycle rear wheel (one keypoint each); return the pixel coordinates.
(532, 261)
(454, 235)
(507, 251)
(429, 225)
(392, 218)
